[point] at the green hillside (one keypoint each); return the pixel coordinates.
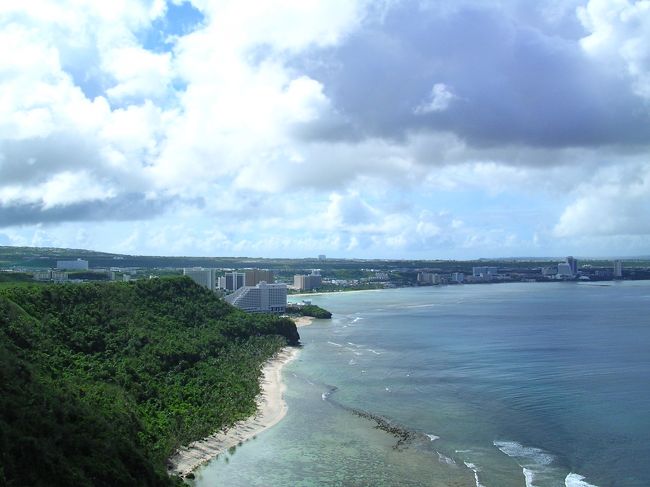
(99, 383)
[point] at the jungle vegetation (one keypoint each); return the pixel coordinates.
(100, 383)
(309, 310)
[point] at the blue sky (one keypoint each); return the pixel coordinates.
(354, 128)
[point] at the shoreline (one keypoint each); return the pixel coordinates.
(271, 408)
(323, 293)
(301, 321)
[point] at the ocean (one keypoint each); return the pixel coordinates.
(498, 385)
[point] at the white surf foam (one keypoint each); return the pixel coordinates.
(374, 351)
(476, 470)
(576, 480)
(529, 476)
(433, 437)
(444, 459)
(517, 450)
(335, 344)
(534, 462)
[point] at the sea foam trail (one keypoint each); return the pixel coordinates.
(474, 469)
(533, 461)
(529, 476)
(575, 480)
(445, 459)
(517, 450)
(536, 465)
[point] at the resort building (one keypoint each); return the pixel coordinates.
(77, 265)
(618, 269)
(549, 271)
(203, 277)
(484, 272)
(252, 277)
(428, 278)
(232, 281)
(43, 276)
(573, 264)
(458, 277)
(308, 282)
(262, 298)
(59, 276)
(564, 271)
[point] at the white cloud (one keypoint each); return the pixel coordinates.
(138, 72)
(223, 117)
(620, 33)
(438, 101)
(616, 202)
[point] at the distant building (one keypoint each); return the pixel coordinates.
(252, 277)
(232, 281)
(618, 268)
(43, 276)
(549, 271)
(308, 282)
(428, 278)
(573, 264)
(322, 257)
(564, 271)
(484, 272)
(60, 276)
(77, 265)
(269, 298)
(203, 277)
(458, 277)
(381, 276)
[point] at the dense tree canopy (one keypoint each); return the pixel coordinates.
(99, 383)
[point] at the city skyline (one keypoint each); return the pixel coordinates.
(354, 129)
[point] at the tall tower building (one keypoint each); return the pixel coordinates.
(618, 268)
(573, 264)
(255, 276)
(203, 277)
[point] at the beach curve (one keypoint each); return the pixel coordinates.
(271, 408)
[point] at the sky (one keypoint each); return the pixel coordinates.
(450, 129)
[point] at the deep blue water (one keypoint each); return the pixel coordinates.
(522, 384)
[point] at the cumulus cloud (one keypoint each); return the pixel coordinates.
(138, 73)
(438, 101)
(619, 32)
(392, 125)
(615, 203)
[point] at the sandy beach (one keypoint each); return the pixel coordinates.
(271, 408)
(325, 293)
(302, 320)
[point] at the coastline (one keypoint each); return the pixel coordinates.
(303, 320)
(324, 293)
(271, 408)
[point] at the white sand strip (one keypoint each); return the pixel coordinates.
(271, 408)
(303, 320)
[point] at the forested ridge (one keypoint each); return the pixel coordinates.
(100, 383)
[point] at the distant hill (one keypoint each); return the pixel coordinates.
(45, 257)
(99, 383)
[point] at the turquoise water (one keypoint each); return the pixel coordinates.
(495, 385)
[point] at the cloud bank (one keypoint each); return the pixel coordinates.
(386, 129)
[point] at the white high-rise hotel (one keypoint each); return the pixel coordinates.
(269, 298)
